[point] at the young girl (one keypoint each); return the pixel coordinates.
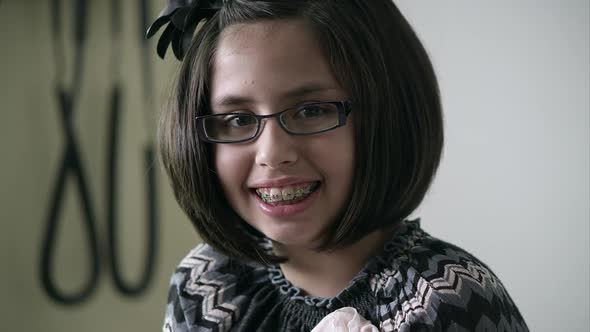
(301, 135)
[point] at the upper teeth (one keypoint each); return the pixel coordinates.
(287, 193)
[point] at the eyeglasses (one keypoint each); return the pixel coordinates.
(308, 119)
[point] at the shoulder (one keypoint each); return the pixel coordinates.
(202, 292)
(432, 285)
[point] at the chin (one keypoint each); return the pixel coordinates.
(291, 236)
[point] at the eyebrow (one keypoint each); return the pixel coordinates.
(301, 91)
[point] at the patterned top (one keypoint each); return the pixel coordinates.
(417, 283)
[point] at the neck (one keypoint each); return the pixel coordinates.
(326, 274)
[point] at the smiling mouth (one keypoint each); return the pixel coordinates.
(288, 194)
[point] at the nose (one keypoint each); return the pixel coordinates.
(275, 148)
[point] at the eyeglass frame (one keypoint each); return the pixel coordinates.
(343, 108)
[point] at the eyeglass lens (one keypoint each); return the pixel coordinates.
(307, 119)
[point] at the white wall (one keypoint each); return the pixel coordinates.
(514, 181)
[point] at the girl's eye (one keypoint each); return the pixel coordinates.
(238, 121)
(310, 112)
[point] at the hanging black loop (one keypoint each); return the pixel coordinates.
(71, 165)
(112, 205)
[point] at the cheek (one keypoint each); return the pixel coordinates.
(334, 156)
(231, 167)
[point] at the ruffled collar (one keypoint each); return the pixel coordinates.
(394, 251)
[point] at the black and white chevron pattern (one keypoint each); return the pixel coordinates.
(443, 288)
(419, 284)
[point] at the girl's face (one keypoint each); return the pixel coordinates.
(264, 68)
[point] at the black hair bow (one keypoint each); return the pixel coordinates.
(182, 17)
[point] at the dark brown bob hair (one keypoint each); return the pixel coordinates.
(378, 60)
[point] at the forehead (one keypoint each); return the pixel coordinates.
(268, 59)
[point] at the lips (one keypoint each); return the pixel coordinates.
(290, 199)
(283, 209)
(281, 182)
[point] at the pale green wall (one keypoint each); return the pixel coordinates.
(31, 145)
